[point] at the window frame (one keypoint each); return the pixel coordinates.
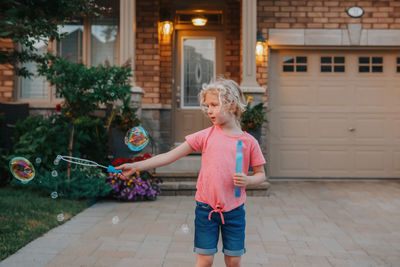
(51, 100)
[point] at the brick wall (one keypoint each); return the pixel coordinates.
(232, 40)
(147, 50)
(317, 14)
(6, 74)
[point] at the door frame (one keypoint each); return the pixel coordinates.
(176, 69)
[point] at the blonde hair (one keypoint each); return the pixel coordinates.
(228, 92)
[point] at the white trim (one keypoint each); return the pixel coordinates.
(334, 37)
(249, 31)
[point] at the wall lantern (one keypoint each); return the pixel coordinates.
(165, 26)
(260, 44)
(199, 20)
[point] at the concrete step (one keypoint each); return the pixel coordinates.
(188, 188)
(190, 163)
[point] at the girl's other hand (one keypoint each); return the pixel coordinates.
(239, 179)
(127, 169)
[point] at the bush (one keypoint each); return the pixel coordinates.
(48, 137)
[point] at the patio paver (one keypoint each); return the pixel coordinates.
(316, 223)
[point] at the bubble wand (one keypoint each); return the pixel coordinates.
(239, 163)
(88, 163)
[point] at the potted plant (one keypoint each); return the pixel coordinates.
(142, 185)
(122, 119)
(252, 119)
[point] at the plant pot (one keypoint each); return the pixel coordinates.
(256, 134)
(118, 146)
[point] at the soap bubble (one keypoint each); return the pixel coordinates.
(60, 217)
(54, 173)
(56, 162)
(115, 220)
(22, 169)
(136, 138)
(185, 228)
(112, 94)
(54, 195)
(38, 160)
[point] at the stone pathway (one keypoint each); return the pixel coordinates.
(316, 223)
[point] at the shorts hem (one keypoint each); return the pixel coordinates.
(204, 251)
(233, 252)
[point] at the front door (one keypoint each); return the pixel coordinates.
(199, 59)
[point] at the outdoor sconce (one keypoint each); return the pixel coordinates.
(199, 20)
(165, 27)
(260, 44)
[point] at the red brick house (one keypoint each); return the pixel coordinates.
(329, 75)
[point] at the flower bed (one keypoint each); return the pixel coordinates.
(140, 186)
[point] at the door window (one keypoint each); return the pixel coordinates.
(198, 68)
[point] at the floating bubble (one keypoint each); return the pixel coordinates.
(38, 160)
(54, 195)
(56, 162)
(115, 220)
(60, 217)
(58, 157)
(112, 94)
(22, 169)
(185, 228)
(54, 173)
(136, 138)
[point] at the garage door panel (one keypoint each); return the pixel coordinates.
(334, 96)
(371, 95)
(295, 127)
(292, 96)
(334, 160)
(333, 126)
(372, 160)
(369, 129)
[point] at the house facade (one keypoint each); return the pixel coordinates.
(328, 74)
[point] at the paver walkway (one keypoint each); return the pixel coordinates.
(318, 223)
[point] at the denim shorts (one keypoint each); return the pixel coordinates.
(206, 232)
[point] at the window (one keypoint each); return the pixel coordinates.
(332, 64)
(91, 41)
(370, 64)
(294, 64)
(398, 64)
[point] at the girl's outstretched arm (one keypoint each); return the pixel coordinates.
(157, 161)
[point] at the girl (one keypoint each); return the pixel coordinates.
(217, 207)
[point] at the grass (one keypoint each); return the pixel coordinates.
(26, 215)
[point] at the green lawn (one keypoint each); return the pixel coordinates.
(26, 215)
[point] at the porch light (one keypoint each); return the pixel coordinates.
(260, 44)
(199, 20)
(165, 26)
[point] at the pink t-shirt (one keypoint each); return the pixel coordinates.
(218, 163)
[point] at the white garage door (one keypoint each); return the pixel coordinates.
(334, 114)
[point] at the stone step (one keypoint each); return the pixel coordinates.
(190, 163)
(188, 188)
(177, 176)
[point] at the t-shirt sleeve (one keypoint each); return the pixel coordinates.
(196, 140)
(256, 155)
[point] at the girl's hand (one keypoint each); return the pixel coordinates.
(127, 169)
(239, 179)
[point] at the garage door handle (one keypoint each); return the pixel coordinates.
(352, 129)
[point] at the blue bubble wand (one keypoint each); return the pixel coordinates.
(239, 163)
(89, 163)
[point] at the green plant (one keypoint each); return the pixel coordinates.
(45, 138)
(83, 88)
(124, 117)
(253, 117)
